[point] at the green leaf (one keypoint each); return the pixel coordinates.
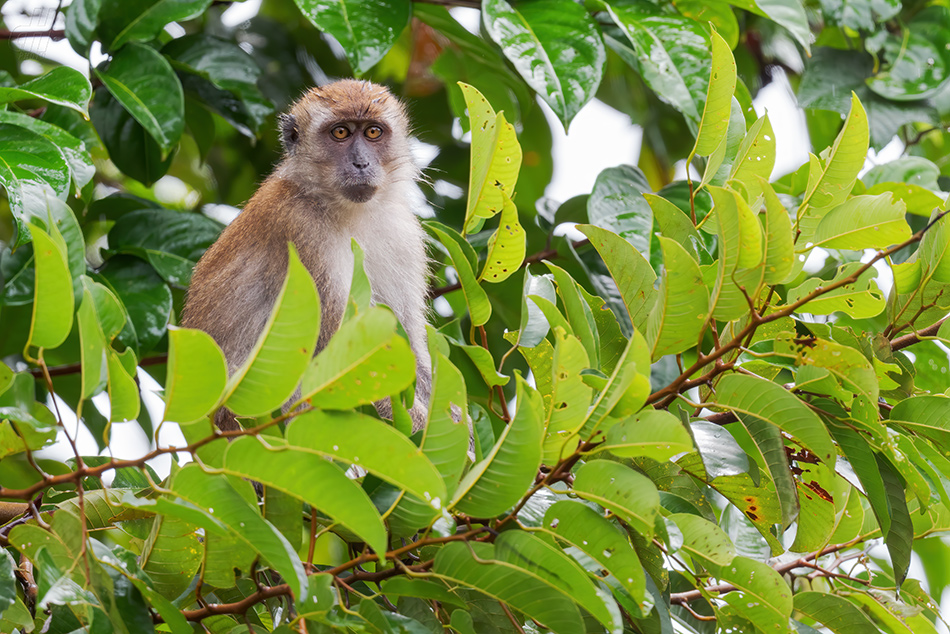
(372, 445)
(495, 161)
(832, 182)
(755, 397)
(666, 49)
(863, 222)
(722, 85)
(497, 482)
(171, 241)
(474, 565)
(765, 599)
(54, 303)
(779, 246)
(8, 581)
(755, 158)
(570, 399)
(836, 613)
(197, 375)
(220, 503)
(911, 179)
(81, 21)
(144, 300)
(704, 540)
(478, 305)
(741, 258)
(122, 22)
(422, 588)
(789, 14)
(222, 77)
(92, 344)
(579, 315)
(620, 489)
(319, 483)
(585, 529)
(6, 377)
(534, 325)
(445, 439)
(73, 149)
(63, 85)
(143, 81)
(656, 434)
(131, 148)
(550, 564)
(848, 365)
(556, 47)
(860, 299)
(917, 56)
(682, 306)
(364, 361)
(284, 348)
(934, 254)
(506, 247)
(33, 171)
(926, 415)
(171, 555)
(768, 441)
(617, 204)
(124, 401)
(632, 273)
(720, 162)
(899, 538)
(674, 224)
(365, 31)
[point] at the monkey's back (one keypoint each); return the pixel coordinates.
(237, 280)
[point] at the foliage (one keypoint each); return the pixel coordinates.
(698, 432)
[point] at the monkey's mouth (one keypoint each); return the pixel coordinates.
(359, 192)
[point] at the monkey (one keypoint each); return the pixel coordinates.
(346, 172)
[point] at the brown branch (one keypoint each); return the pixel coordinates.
(53, 34)
(87, 471)
(910, 339)
(682, 598)
(678, 384)
(73, 368)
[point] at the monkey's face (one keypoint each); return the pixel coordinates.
(361, 149)
(348, 140)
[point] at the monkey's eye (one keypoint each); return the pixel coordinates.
(340, 132)
(373, 132)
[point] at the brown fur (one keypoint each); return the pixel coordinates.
(305, 201)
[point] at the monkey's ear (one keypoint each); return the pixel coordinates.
(289, 136)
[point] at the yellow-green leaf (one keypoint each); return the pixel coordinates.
(722, 85)
(53, 303)
(506, 247)
(273, 368)
(496, 158)
(682, 307)
(197, 375)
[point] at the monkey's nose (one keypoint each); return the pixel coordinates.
(361, 165)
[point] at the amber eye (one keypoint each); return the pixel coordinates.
(373, 132)
(340, 132)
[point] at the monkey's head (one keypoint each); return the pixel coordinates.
(347, 139)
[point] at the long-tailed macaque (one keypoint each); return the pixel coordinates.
(347, 172)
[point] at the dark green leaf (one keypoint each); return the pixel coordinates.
(365, 31)
(554, 45)
(143, 81)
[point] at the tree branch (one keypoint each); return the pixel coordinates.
(682, 598)
(678, 384)
(910, 339)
